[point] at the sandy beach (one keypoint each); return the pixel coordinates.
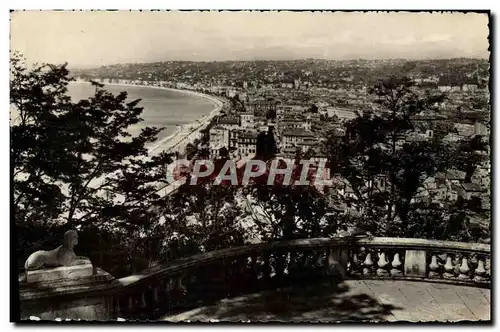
(185, 134)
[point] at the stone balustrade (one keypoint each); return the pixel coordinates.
(86, 297)
(195, 281)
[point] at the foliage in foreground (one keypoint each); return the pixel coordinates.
(75, 165)
(386, 173)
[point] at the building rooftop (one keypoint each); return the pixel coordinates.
(452, 174)
(229, 120)
(472, 187)
(217, 128)
(297, 132)
(247, 134)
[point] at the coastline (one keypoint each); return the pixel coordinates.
(185, 134)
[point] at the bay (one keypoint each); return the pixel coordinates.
(168, 109)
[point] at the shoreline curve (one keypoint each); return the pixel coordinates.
(185, 133)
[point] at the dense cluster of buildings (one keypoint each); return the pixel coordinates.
(293, 128)
(300, 125)
(298, 106)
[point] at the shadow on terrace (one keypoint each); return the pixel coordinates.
(316, 302)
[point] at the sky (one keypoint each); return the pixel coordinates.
(94, 38)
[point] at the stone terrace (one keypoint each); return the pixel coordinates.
(355, 300)
(316, 280)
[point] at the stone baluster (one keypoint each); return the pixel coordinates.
(280, 266)
(245, 274)
(449, 268)
(155, 294)
(341, 255)
(226, 276)
(242, 262)
(320, 259)
(396, 265)
(178, 284)
(337, 263)
(286, 262)
(354, 265)
(457, 263)
(434, 268)
(255, 272)
(143, 303)
(130, 302)
(292, 264)
(332, 258)
(464, 269)
(267, 267)
(487, 267)
(168, 284)
(273, 265)
(480, 271)
(368, 264)
(242, 265)
(117, 305)
(382, 265)
(344, 258)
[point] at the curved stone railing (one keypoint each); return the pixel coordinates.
(191, 282)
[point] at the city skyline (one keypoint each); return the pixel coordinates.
(89, 39)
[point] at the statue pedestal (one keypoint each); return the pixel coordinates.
(69, 292)
(58, 273)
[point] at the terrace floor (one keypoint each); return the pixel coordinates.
(353, 300)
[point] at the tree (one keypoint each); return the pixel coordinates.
(283, 211)
(271, 114)
(201, 218)
(469, 154)
(384, 170)
(236, 103)
(457, 222)
(191, 150)
(266, 147)
(75, 164)
(292, 212)
(224, 153)
(313, 108)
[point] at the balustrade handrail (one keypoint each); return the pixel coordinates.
(179, 265)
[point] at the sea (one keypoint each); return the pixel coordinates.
(167, 109)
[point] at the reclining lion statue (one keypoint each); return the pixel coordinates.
(61, 256)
